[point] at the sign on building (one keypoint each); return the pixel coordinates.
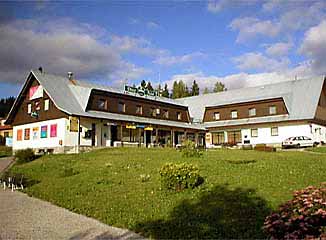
(140, 91)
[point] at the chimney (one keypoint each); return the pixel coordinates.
(70, 76)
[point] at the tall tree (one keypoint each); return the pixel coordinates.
(143, 84)
(165, 92)
(149, 86)
(5, 105)
(187, 93)
(194, 89)
(175, 90)
(219, 87)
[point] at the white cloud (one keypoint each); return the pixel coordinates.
(249, 28)
(279, 49)
(313, 46)
(215, 6)
(168, 59)
(59, 47)
(243, 79)
(257, 61)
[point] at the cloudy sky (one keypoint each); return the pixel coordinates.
(241, 43)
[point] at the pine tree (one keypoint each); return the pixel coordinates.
(143, 84)
(194, 89)
(149, 86)
(219, 87)
(165, 92)
(175, 90)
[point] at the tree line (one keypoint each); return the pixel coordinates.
(180, 89)
(5, 105)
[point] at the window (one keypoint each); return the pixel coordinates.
(122, 107)
(37, 106)
(139, 109)
(102, 104)
(153, 112)
(218, 138)
(254, 132)
(29, 108)
(179, 115)
(44, 131)
(234, 137)
(272, 110)
(46, 104)
(274, 131)
(53, 130)
(19, 134)
(27, 134)
(234, 114)
(217, 116)
(165, 113)
(252, 112)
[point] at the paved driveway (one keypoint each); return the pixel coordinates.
(5, 162)
(23, 217)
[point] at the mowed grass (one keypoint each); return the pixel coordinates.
(241, 188)
(5, 151)
(318, 149)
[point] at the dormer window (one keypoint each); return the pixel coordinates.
(122, 107)
(272, 110)
(217, 116)
(234, 114)
(102, 104)
(252, 112)
(179, 116)
(139, 109)
(153, 112)
(165, 113)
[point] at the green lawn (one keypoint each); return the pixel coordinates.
(240, 189)
(5, 151)
(318, 149)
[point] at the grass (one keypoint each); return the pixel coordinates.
(318, 149)
(5, 151)
(241, 188)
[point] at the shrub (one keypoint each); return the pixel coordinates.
(179, 176)
(302, 217)
(25, 155)
(189, 149)
(264, 148)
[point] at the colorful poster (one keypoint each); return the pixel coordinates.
(35, 133)
(73, 124)
(19, 134)
(27, 132)
(44, 131)
(53, 130)
(35, 92)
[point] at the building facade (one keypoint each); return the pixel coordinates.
(60, 114)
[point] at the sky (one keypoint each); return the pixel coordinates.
(239, 43)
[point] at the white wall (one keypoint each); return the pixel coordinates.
(49, 142)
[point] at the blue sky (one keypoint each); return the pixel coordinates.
(240, 43)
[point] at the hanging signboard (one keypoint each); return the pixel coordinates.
(140, 91)
(131, 126)
(148, 129)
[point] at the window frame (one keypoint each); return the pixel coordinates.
(273, 135)
(179, 116)
(105, 104)
(165, 113)
(236, 112)
(250, 114)
(123, 109)
(46, 105)
(252, 131)
(217, 114)
(272, 107)
(139, 109)
(29, 108)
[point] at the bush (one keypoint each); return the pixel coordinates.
(302, 217)
(179, 176)
(25, 155)
(264, 148)
(189, 149)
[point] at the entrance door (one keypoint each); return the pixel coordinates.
(93, 133)
(114, 134)
(148, 135)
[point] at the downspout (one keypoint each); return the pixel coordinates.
(78, 144)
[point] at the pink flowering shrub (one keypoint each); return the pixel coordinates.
(303, 217)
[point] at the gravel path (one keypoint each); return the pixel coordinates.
(5, 162)
(23, 217)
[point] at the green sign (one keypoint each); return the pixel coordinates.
(141, 91)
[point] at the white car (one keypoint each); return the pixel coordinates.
(300, 141)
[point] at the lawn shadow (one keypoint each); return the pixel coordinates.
(219, 213)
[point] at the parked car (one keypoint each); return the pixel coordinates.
(299, 141)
